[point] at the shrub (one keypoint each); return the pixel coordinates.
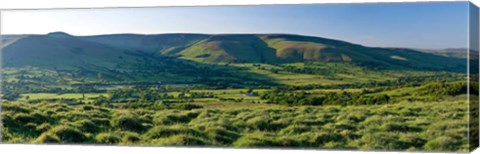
(88, 107)
(349, 135)
(221, 135)
(334, 145)
(344, 125)
(175, 118)
(6, 135)
(101, 121)
(62, 134)
(295, 129)
(442, 143)
(182, 139)
(254, 140)
(130, 137)
(24, 118)
(398, 127)
(43, 127)
(354, 116)
(127, 123)
(19, 108)
(73, 115)
(324, 137)
(260, 123)
(185, 106)
(287, 142)
(107, 138)
(7, 119)
(281, 123)
(413, 141)
(167, 131)
(310, 122)
(47, 138)
(377, 141)
(86, 126)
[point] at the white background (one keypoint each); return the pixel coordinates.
(81, 149)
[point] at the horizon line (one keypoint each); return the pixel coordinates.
(193, 33)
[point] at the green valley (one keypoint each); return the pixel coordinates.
(240, 90)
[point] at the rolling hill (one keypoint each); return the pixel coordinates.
(151, 44)
(63, 50)
(449, 52)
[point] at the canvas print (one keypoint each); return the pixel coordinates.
(373, 76)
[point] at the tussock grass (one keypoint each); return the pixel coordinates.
(107, 138)
(433, 126)
(62, 134)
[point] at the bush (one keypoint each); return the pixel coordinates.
(62, 134)
(101, 121)
(86, 126)
(167, 131)
(324, 137)
(398, 127)
(47, 138)
(221, 135)
(295, 129)
(413, 141)
(35, 117)
(260, 123)
(185, 106)
(175, 118)
(254, 140)
(377, 141)
(127, 123)
(88, 107)
(107, 138)
(183, 139)
(442, 143)
(281, 123)
(43, 127)
(334, 145)
(289, 141)
(130, 137)
(20, 107)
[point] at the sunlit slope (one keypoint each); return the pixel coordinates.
(276, 48)
(326, 50)
(230, 48)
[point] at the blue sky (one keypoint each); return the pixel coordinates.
(414, 25)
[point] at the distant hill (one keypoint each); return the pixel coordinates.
(450, 52)
(61, 49)
(152, 44)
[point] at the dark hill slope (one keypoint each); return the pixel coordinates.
(62, 51)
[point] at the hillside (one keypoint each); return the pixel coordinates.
(151, 44)
(61, 49)
(449, 52)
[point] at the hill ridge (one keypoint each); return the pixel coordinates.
(251, 48)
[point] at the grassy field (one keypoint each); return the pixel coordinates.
(288, 78)
(414, 126)
(231, 90)
(390, 110)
